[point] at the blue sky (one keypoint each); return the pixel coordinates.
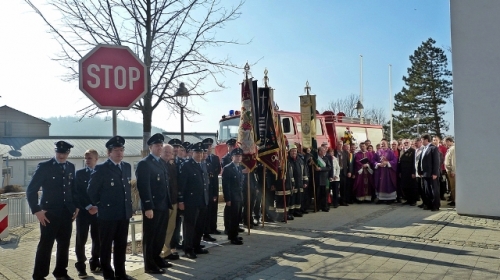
(318, 41)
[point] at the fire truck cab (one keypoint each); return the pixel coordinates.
(330, 127)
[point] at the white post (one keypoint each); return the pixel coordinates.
(361, 84)
(390, 96)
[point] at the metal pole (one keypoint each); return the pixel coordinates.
(114, 124)
(182, 124)
(132, 232)
(314, 187)
(390, 96)
(248, 201)
(361, 83)
(263, 203)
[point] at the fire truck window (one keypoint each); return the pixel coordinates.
(228, 129)
(287, 126)
(319, 128)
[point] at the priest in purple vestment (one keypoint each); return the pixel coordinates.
(385, 165)
(363, 170)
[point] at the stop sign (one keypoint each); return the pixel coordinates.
(113, 77)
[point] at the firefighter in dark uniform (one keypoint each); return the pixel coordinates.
(56, 210)
(225, 160)
(87, 218)
(214, 168)
(152, 184)
(301, 178)
(109, 189)
(187, 153)
(232, 186)
(179, 153)
(193, 200)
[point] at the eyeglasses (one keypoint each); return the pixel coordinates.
(407, 142)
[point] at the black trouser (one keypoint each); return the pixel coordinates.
(350, 189)
(344, 193)
(409, 188)
(194, 223)
(248, 210)
(270, 210)
(59, 229)
(113, 234)
(334, 189)
(211, 219)
(442, 183)
(432, 192)
(84, 220)
(257, 206)
(153, 236)
(234, 213)
(176, 237)
(306, 199)
(321, 195)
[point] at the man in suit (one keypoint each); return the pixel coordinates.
(429, 169)
(406, 170)
(450, 163)
(232, 186)
(213, 165)
(342, 154)
(193, 200)
(324, 174)
(152, 184)
(109, 189)
(87, 218)
(56, 210)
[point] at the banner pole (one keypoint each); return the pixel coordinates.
(263, 201)
(314, 187)
(248, 202)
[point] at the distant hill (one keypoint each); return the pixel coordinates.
(71, 126)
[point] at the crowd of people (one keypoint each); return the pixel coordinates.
(178, 186)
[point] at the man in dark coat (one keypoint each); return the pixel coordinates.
(406, 170)
(324, 174)
(109, 189)
(342, 154)
(179, 158)
(56, 210)
(232, 186)
(300, 175)
(429, 169)
(87, 218)
(225, 160)
(152, 184)
(193, 200)
(213, 168)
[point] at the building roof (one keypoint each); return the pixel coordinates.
(6, 108)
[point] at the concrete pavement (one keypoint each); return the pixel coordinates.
(365, 241)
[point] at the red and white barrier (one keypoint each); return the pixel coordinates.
(4, 220)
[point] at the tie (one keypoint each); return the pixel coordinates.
(119, 166)
(63, 166)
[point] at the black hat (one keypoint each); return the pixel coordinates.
(175, 142)
(237, 151)
(115, 142)
(62, 146)
(186, 145)
(156, 139)
(197, 147)
(231, 142)
(208, 141)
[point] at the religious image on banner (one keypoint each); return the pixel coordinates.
(266, 138)
(246, 136)
(305, 120)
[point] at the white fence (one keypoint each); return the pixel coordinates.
(19, 211)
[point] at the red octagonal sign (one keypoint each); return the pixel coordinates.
(113, 77)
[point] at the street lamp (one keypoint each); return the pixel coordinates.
(359, 108)
(417, 117)
(181, 97)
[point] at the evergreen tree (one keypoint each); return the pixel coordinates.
(427, 88)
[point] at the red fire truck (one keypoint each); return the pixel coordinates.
(330, 127)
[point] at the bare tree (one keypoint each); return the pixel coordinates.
(345, 105)
(172, 37)
(376, 115)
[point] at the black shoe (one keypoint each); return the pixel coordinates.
(241, 230)
(155, 271)
(95, 269)
(200, 251)
(425, 207)
(66, 277)
(202, 246)
(304, 211)
(335, 206)
(413, 204)
(164, 264)
(325, 209)
(290, 217)
(269, 220)
(297, 214)
(82, 274)
(421, 206)
(126, 277)
(207, 237)
(442, 198)
(216, 232)
(434, 209)
(344, 204)
(238, 237)
(236, 242)
(451, 203)
(172, 257)
(190, 255)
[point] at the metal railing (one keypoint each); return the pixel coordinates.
(19, 211)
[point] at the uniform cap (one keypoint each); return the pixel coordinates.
(186, 145)
(62, 146)
(208, 141)
(175, 142)
(115, 142)
(197, 147)
(237, 151)
(231, 142)
(292, 146)
(156, 139)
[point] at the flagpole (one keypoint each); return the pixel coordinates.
(263, 201)
(314, 187)
(361, 83)
(248, 200)
(390, 96)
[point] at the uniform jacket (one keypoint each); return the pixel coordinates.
(326, 172)
(213, 168)
(58, 187)
(407, 162)
(344, 162)
(82, 179)
(172, 172)
(300, 172)
(232, 183)
(193, 189)
(226, 160)
(429, 162)
(109, 189)
(152, 184)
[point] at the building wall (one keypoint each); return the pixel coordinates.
(17, 124)
(475, 36)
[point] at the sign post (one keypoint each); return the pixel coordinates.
(113, 77)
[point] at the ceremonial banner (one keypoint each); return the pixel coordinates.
(305, 117)
(246, 136)
(266, 138)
